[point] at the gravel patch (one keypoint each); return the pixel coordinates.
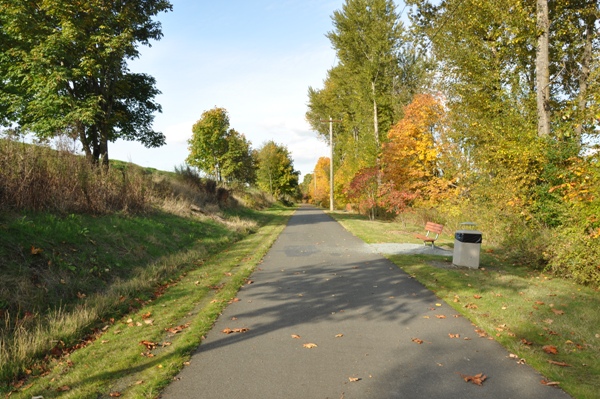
(409, 249)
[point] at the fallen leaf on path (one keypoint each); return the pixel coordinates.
(562, 364)
(235, 330)
(481, 333)
(310, 345)
(417, 341)
(339, 335)
(295, 336)
(438, 304)
(550, 349)
(440, 316)
(549, 383)
(454, 335)
(476, 379)
(354, 379)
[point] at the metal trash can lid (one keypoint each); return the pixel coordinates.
(469, 236)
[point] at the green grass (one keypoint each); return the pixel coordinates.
(94, 274)
(522, 309)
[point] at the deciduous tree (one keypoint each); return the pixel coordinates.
(238, 163)
(208, 144)
(375, 75)
(275, 173)
(63, 69)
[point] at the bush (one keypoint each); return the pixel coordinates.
(575, 255)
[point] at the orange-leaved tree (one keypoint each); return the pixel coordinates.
(412, 154)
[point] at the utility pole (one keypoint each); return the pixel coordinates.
(331, 160)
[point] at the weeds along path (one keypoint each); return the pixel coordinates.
(136, 355)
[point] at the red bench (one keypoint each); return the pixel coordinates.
(431, 228)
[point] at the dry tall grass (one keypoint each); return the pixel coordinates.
(39, 178)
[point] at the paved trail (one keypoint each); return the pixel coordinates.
(323, 284)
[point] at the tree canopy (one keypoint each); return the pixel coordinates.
(377, 73)
(219, 150)
(275, 172)
(63, 70)
(486, 108)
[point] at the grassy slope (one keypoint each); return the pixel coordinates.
(122, 279)
(522, 309)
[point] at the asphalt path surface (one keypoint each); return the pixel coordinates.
(321, 285)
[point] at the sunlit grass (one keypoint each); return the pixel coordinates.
(116, 362)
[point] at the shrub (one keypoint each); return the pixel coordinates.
(575, 255)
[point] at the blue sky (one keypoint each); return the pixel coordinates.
(255, 58)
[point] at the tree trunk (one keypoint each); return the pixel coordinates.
(542, 67)
(584, 76)
(375, 118)
(103, 147)
(84, 142)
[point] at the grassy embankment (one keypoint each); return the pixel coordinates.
(110, 278)
(527, 311)
(172, 278)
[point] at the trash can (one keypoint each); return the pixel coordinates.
(467, 245)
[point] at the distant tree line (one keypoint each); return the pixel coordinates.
(227, 156)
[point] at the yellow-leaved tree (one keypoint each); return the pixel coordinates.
(319, 189)
(414, 154)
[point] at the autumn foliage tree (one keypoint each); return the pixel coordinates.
(413, 152)
(364, 191)
(320, 188)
